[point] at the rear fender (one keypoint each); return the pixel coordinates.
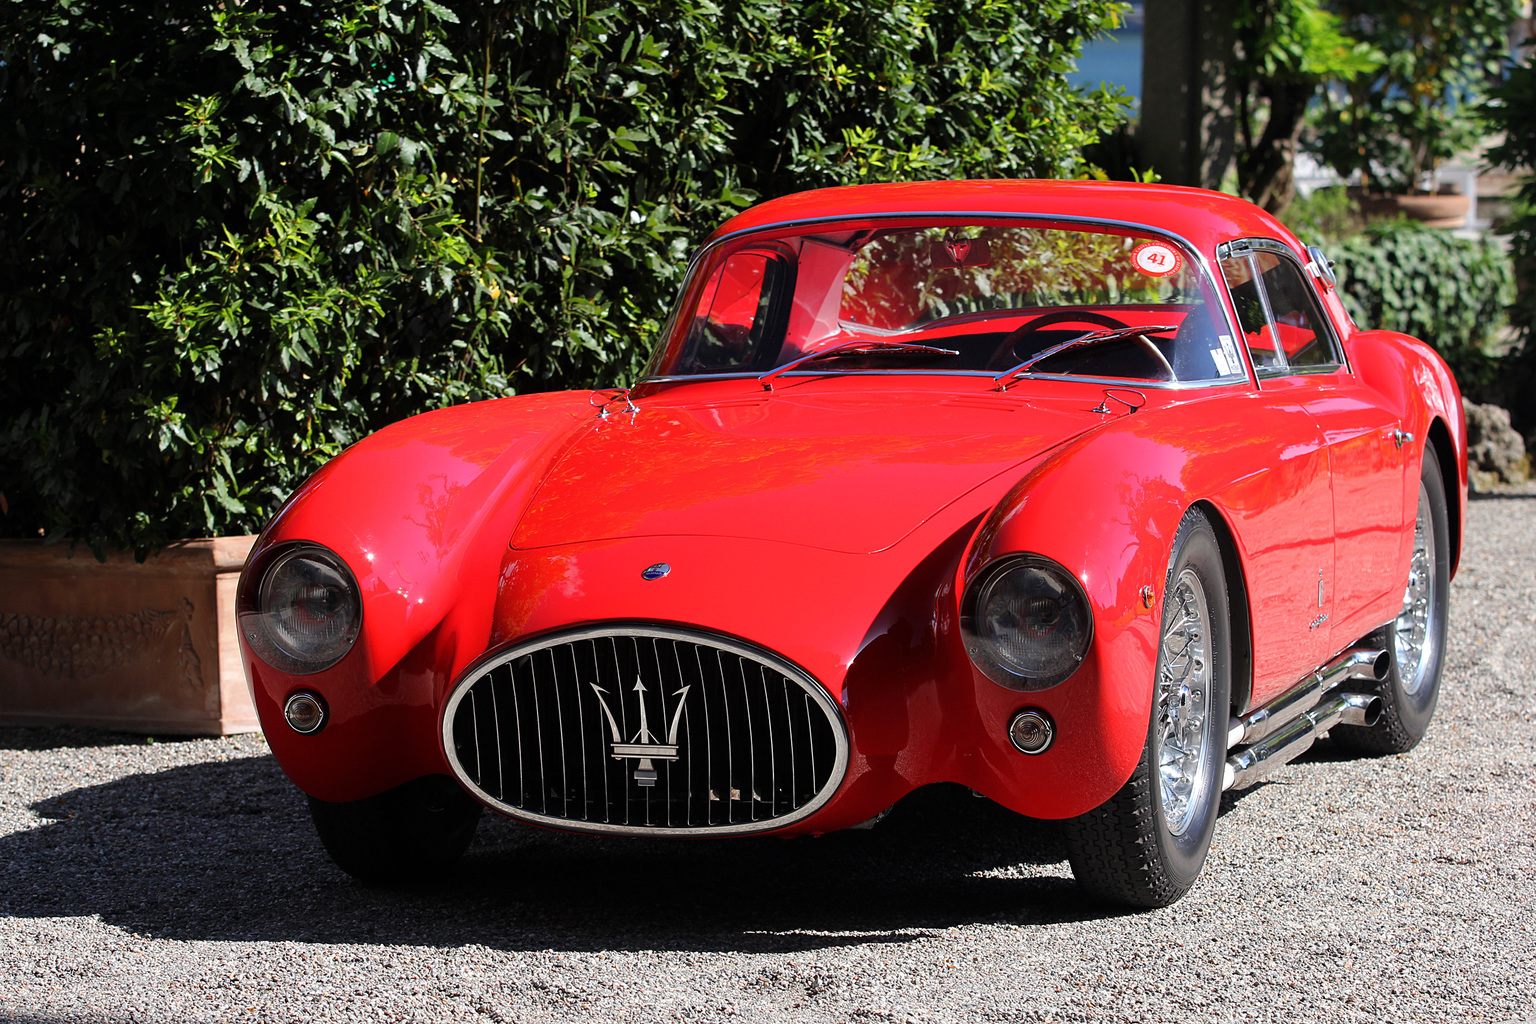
(1414, 378)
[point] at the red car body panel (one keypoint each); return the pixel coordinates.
(836, 521)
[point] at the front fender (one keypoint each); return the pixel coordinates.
(1106, 507)
(420, 512)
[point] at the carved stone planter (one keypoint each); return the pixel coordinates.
(144, 647)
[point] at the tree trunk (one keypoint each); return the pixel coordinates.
(1267, 174)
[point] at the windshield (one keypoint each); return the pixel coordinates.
(948, 296)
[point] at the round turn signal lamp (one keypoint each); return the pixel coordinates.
(305, 713)
(1031, 731)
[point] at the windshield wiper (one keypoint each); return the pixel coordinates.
(880, 349)
(1091, 338)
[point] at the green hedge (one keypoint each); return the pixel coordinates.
(1448, 291)
(235, 238)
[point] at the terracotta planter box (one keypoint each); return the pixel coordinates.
(144, 647)
(1433, 209)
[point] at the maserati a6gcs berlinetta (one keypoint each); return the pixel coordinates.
(1087, 496)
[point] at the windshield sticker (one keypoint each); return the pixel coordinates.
(1231, 350)
(1156, 259)
(1220, 359)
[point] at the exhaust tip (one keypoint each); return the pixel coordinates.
(1380, 667)
(1360, 709)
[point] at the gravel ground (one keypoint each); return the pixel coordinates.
(181, 881)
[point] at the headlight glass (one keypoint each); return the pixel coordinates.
(1026, 623)
(304, 612)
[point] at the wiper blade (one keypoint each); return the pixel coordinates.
(1091, 338)
(881, 349)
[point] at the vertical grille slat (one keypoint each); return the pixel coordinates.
(618, 690)
(810, 737)
(709, 742)
(602, 762)
(474, 727)
(501, 782)
(539, 734)
(555, 731)
(749, 795)
(773, 760)
(581, 729)
(789, 730)
(660, 729)
(727, 794)
(517, 731)
(559, 733)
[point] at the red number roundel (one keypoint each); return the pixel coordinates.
(1156, 259)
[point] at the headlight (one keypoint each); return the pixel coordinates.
(303, 612)
(1026, 623)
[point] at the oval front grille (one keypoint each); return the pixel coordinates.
(646, 729)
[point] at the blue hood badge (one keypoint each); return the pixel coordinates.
(656, 572)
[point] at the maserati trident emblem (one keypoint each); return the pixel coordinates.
(655, 572)
(643, 745)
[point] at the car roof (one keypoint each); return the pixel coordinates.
(1199, 216)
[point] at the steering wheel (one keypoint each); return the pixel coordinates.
(1005, 350)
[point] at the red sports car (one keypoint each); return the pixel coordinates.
(1087, 496)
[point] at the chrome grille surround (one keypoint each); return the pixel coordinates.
(555, 732)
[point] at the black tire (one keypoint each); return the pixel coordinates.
(1129, 850)
(1412, 687)
(400, 836)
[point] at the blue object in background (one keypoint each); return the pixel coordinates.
(1115, 59)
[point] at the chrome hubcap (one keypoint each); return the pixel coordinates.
(1184, 764)
(1415, 630)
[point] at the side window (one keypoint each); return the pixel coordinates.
(1280, 318)
(1298, 321)
(732, 322)
(1243, 283)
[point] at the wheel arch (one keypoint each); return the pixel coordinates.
(1237, 600)
(1439, 435)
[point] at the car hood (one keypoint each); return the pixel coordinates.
(845, 470)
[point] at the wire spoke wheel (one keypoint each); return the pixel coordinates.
(1184, 761)
(1416, 629)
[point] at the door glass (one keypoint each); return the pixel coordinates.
(1277, 311)
(1298, 321)
(1242, 282)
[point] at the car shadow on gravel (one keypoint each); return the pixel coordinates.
(71, 737)
(1526, 495)
(225, 851)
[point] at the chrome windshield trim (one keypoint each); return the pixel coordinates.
(991, 375)
(1212, 279)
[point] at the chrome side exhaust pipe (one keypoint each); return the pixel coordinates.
(1251, 764)
(1355, 663)
(1286, 727)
